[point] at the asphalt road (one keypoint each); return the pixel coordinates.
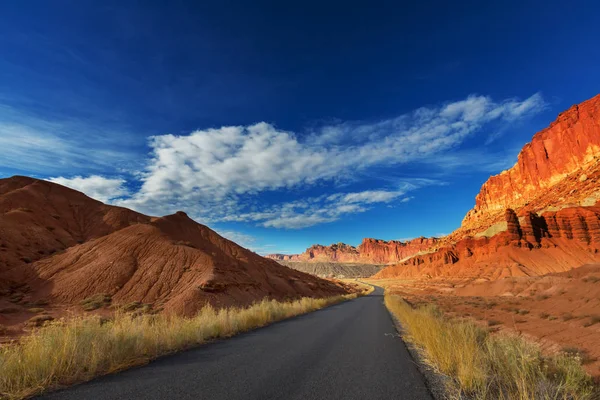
(347, 351)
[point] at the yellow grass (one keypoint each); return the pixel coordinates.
(82, 348)
(484, 366)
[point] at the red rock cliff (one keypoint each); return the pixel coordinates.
(530, 244)
(565, 152)
(539, 216)
(382, 252)
(370, 251)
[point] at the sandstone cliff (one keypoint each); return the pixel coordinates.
(558, 167)
(370, 251)
(539, 216)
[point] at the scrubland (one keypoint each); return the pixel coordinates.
(482, 365)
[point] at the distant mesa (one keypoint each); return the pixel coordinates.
(540, 216)
(370, 251)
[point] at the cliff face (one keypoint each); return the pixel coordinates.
(537, 217)
(370, 251)
(382, 252)
(531, 244)
(338, 252)
(552, 169)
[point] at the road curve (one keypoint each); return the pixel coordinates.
(347, 351)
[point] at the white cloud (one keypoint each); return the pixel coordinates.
(96, 187)
(41, 145)
(317, 210)
(209, 171)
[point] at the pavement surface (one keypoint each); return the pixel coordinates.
(347, 351)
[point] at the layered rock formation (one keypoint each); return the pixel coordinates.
(370, 251)
(540, 216)
(558, 167)
(530, 245)
(59, 246)
(382, 252)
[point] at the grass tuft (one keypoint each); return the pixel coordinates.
(79, 349)
(96, 301)
(484, 366)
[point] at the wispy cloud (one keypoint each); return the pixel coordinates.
(321, 209)
(56, 145)
(97, 187)
(215, 174)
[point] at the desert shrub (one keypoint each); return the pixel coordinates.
(567, 317)
(582, 354)
(485, 366)
(594, 319)
(541, 297)
(39, 320)
(544, 315)
(40, 302)
(134, 305)
(35, 309)
(96, 301)
(523, 312)
(493, 322)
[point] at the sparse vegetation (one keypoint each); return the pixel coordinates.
(96, 301)
(567, 317)
(485, 366)
(594, 319)
(39, 320)
(544, 315)
(583, 355)
(65, 352)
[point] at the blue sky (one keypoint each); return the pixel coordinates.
(285, 125)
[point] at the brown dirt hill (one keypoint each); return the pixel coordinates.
(79, 248)
(537, 217)
(39, 218)
(174, 263)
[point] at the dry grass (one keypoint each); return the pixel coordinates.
(79, 349)
(484, 366)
